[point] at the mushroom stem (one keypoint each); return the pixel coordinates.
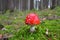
(47, 32)
(32, 29)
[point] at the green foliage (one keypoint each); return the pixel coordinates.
(52, 25)
(14, 23)
(57, 10)
(24, 34)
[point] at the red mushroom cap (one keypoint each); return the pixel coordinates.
(32, 19)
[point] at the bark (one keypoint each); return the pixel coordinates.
(10, 5)
(41, 4)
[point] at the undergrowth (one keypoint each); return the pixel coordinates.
(15, 24)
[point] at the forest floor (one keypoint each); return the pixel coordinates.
(15, 25)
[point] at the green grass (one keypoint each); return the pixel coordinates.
(15, 24)
(53, 27)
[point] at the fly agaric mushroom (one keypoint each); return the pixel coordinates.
(32, 19)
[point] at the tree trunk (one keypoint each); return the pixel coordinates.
(42, 4)
(11, 5)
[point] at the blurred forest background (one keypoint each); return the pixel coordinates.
(22, 5)
(13, 14)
